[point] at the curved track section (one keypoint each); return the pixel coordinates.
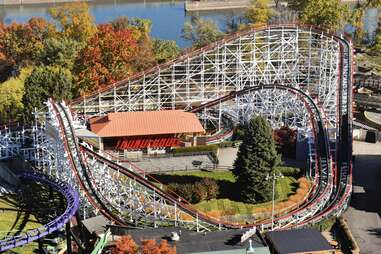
(146, 204)
(72, 204)
(309, 63)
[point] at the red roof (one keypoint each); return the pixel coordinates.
(124, 124)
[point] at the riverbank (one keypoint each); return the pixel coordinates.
(26, 2)
(209, 5)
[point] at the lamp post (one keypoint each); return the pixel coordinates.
(273, 177)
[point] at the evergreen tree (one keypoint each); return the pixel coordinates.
(257, 158)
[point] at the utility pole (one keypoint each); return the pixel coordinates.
(273, 178)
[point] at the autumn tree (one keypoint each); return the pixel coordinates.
(165, 50)
(327, 13)
(201, 31)
(21, 44)
(256, 158)
(11, 94)
(285, 140)
(258, 12)
(125, 245)
(145, 57)
(106, 58)
(74, 20)
(151, 247)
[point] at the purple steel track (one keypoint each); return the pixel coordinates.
(72, 204)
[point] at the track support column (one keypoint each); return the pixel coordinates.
(68, 238)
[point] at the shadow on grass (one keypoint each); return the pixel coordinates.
(227, 189)
(32, 201)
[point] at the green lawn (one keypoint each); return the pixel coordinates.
(16, 216)
(228, 204)
(284, 187)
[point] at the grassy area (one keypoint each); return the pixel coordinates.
(36, 207)
(284, 187)
(228, 203)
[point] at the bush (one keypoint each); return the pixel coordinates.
(229, 144)
(211, 187)
(195, 149)
(205, 189)
(289, 171)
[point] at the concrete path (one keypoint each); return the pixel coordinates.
(364, 213)
(179, 163)
(226, 156)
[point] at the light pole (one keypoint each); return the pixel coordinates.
(273, 178)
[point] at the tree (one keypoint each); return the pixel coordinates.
(165, 50)
(327, 13)
(45, 82)
(256, 158)
(106, 58)
(125, 245)
(201, 32)
(75, 21)
(151, 247)
(285, 140)
(377, 41)
(258, 12)
(61, 52)
(21, 44)
(11, 94)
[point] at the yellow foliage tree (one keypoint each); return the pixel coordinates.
(11, 94)
(259, 12)
(75, 21)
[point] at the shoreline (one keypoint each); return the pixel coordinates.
(209, 5)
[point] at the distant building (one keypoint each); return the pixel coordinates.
(299, 241)
(145, 129)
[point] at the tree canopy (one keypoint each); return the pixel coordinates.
(75, 21)
(201, 31)
(258, 12)
(126, 245)
(327, 13)
(256, 158)
(45, 82)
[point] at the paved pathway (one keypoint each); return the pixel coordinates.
(179, 163)
(364, 213)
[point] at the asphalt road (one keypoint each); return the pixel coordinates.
(364, 212)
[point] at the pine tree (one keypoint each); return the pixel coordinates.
(257, 158)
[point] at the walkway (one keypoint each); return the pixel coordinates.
(364, 213)
(167, 164)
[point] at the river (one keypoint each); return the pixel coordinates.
(167, 17)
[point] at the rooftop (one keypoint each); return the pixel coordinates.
(298, 241)
(139, 123)
(196, 242)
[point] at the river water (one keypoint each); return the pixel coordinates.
(167, 17)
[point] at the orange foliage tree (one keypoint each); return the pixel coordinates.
(21, 44)
(126, 245)
(151, 247)
(285, 139)
(106, 58)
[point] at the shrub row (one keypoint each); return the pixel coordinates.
(195, 149)
(205, 189)
(229, 144)
(289, 171)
